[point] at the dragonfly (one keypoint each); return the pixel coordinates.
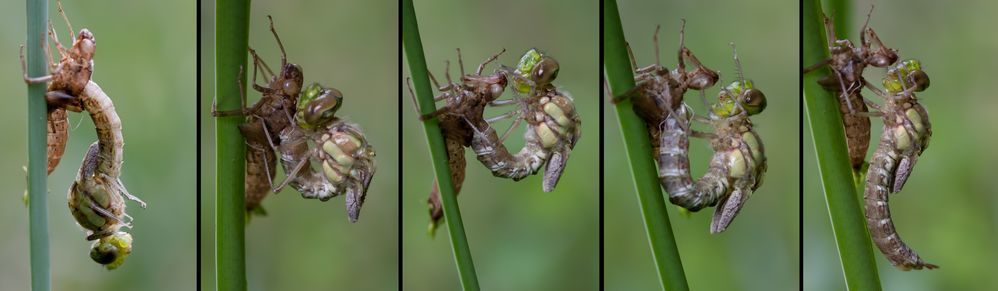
(658, 92)
(345, 155)
(66, 81)
(553, 129)
(906, 135)
(99, 207)
(96, 198)
(465, 106)
(739, 160)
(847, 63)
(265, 120)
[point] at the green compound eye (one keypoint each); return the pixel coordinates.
(112, 250)
(537, 67)
(752, 99)
(318, 105)
(911, 72)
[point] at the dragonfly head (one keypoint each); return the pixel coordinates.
(911, 72)
(85, 45)
(318, 105)
(749, 97)
(702, 78)
(883, 56)
(112, 250)
(537, 67)
(291, 79)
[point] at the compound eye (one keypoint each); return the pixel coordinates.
(495, 90)
(546, 71)
(291, 87)
(754, 101)
(920, 79)
(702, 78)
(324, 107)
(104, 253)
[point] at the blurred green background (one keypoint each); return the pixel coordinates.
(521, 238)
(308, 244)
(957, 231)
(145, 60)
(760, 251)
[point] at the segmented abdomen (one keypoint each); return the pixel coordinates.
(456, 162)
(58, 134)
(857, 129)
(879, 182)
(108, 128)
(95, 205)
(674, 166)
(553, 129)
(346, 159)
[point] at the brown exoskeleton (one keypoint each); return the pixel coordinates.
(265, 121)
(465, 106)
(847, 63)
(67, 80)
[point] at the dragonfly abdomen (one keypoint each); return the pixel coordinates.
(880, 179)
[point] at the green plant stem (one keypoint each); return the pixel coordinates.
(231, 34)
(638, 147)
(848, 223)
(37, 16)
(452, 214)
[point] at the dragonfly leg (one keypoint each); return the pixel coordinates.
(55, 39)
(814, 67)
(242, 95)
(32, 80)
(284, 55)
(630, 55)
(291, 176)
(437, 85)
(63, 13)
(654, 38)
(481, 66)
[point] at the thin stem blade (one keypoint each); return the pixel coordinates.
(231, 34)
(452, 214)
(638, 147)
(825, 121)
(37, 15)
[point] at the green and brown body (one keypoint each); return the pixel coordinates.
(905, 136)
(553, 126)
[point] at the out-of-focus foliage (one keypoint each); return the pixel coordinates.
(946, 211)
(760, 251)
(521, 238)
(145, 62)
(308, 244)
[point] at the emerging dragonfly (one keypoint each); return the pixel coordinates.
(465, 106)
(266, 119)
(847, 64)
(553, 124)
(67, 80)
(906, 134)
(96, 198)
(658, 92)
(341, 148)
(99, 207)
(739, 159)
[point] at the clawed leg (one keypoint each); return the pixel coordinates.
(481, 66)
(63, 13)
(284, 55)
(242, 98)
(32, 80)
(814, 67)
(654, 38)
